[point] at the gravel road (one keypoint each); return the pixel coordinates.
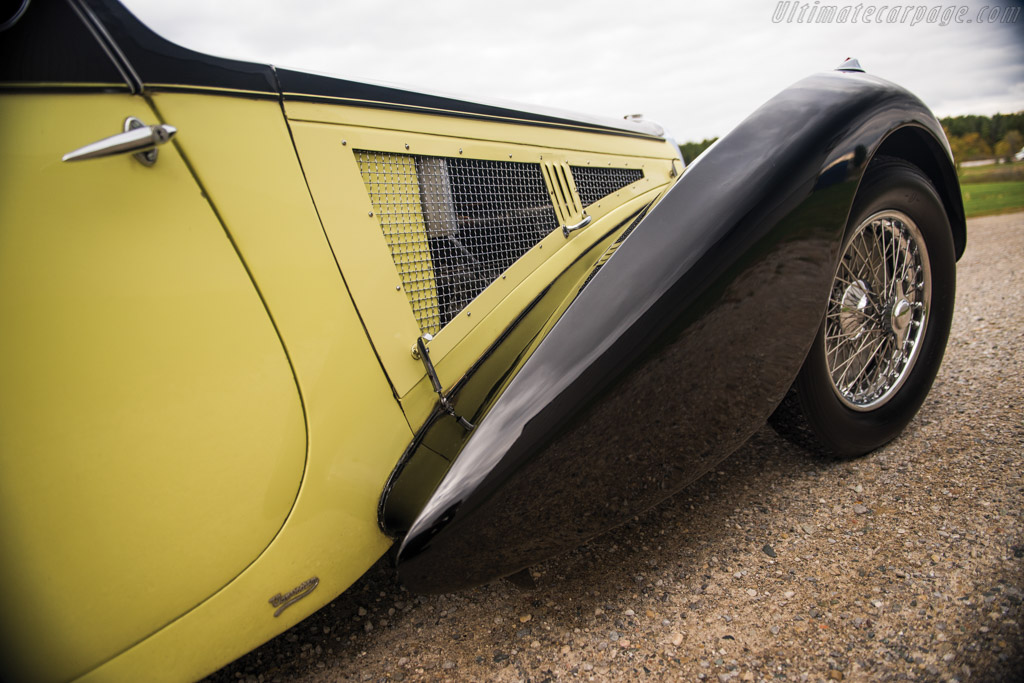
(905, 564)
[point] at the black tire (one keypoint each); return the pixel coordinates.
(842, 415)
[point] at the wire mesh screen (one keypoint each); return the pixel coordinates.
(394, 190)
(593, 183)
(454, 225)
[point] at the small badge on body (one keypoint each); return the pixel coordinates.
(283, 602)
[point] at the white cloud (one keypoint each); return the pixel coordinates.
(697, 68)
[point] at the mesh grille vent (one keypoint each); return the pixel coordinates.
(593, 183)
(454, 225)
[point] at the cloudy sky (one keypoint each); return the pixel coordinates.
(698, 68)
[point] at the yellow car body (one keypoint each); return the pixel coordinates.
(258, 325)
(206, 363)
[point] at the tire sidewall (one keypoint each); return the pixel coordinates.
(890, 185)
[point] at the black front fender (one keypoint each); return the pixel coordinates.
(677, 350)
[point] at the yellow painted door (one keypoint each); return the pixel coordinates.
(152, 439)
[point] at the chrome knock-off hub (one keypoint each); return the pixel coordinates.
(878, 311)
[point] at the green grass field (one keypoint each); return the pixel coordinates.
(997, 188)
(993, 173)
(983, 199)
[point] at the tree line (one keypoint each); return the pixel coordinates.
(691, 150)
(984, 137)
(970, 137)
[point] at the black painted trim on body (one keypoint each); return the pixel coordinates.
(65, 88)
(677, 351)
(109, 45)
(53, 43)
(146, 61)
(158, 60)
(298, 85)
(210, 90)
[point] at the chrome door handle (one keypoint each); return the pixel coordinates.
(137, 139)
(566, 229)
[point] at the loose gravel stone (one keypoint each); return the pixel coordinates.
(926, 583)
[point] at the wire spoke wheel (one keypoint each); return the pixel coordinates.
(878, 311)
(886, 323)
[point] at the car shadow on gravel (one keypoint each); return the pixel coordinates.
(905, 564)
(686, 532)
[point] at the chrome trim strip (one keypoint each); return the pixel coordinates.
(14, 17)
(108, 45)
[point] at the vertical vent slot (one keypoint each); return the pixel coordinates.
(563, 193)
